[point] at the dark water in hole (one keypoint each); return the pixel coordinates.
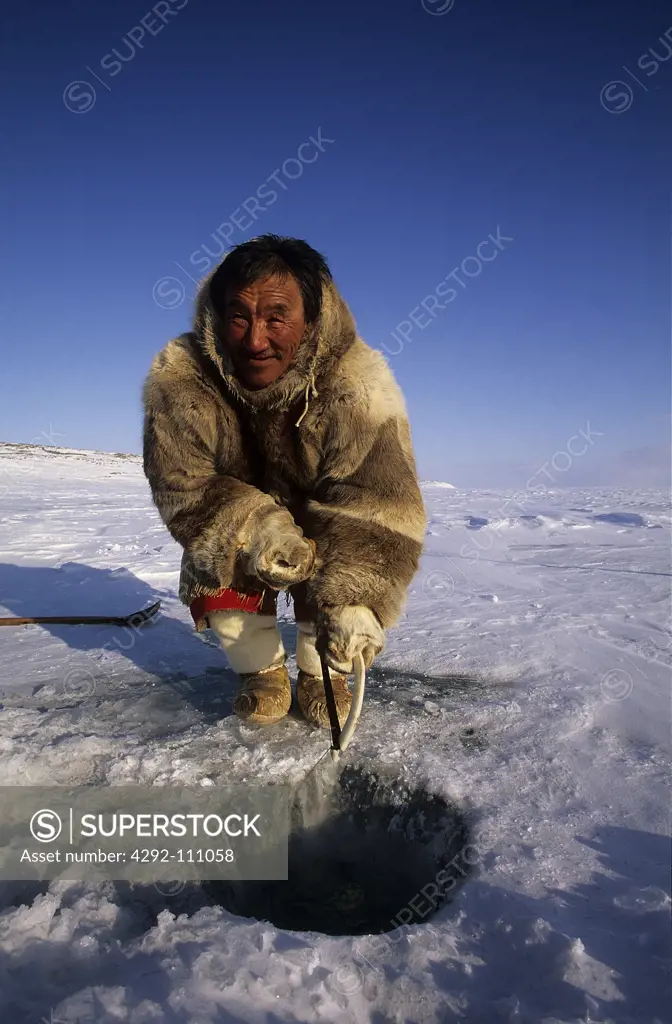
(359, 852)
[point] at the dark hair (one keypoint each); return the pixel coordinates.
(274, 254)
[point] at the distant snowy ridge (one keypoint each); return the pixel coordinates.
(9, 448)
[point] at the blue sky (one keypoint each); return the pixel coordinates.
(434, 128)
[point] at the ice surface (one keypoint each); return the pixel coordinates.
(528, 683)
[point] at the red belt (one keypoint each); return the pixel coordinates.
(227, 599)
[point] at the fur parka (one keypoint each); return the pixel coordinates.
(329, 440)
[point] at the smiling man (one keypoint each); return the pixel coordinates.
(264, 324)
(278, 452)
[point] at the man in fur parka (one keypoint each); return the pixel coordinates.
(278, 452)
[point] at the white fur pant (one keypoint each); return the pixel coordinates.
(252, 642)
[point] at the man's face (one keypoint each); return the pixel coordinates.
(263, 327)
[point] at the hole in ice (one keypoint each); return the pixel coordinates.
(366, 855)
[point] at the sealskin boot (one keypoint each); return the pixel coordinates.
(263, 697)
(313, 700)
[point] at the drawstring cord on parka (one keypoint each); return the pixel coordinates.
(311, 392)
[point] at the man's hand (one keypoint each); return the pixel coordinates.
(347, 630)
(275, 550)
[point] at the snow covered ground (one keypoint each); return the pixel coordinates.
(528, 682)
